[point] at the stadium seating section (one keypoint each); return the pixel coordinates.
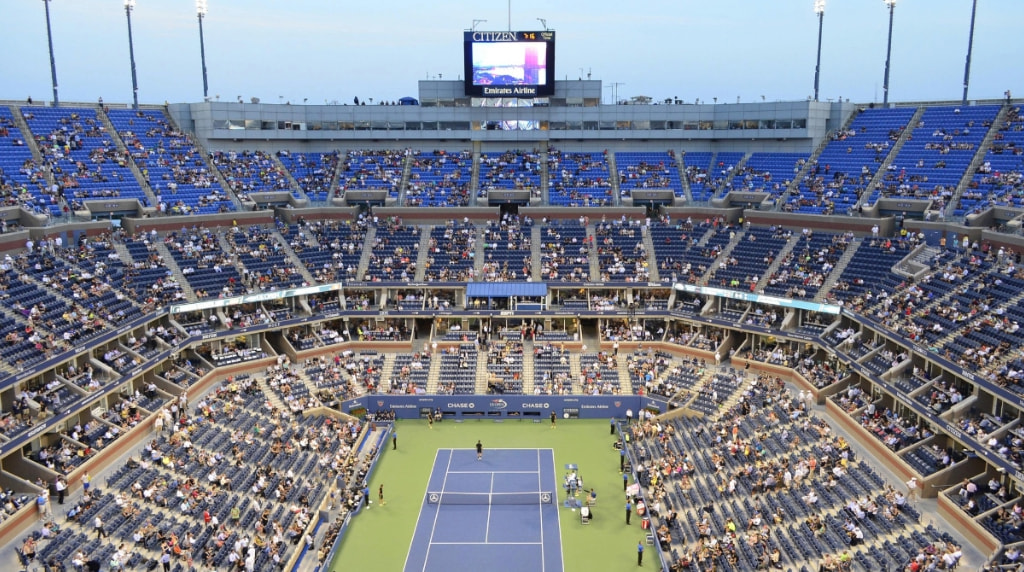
(964, 306)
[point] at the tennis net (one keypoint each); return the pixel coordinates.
(527, 498)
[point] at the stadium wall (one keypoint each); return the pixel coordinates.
(235, 126)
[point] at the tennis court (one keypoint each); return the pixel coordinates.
(498, 514)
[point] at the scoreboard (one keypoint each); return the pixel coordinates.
(509, 64)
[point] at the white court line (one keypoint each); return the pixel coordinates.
(490, 543)
(540, 508)
(492, 472)
(500, 449)
(433, 528)
(487, 530)
(426, 489)
(558, 513)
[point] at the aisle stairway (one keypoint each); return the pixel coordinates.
(723, 187)
(211, 168)
(680, 166)
(625, 383)
(878, 180)
(30, 142)
(841, 264)
(979, 157)
(528, 370)
(481, 373)
(294, 260)
(434, 374)
(165, 253)
(387, 370)
(723, 255)
(595, 261)
(364, 261)
(613, 172)
(779, 258)
(536, 240)
(293, 185)
(115, 138)
(652, 262)
(575, 371)
(422, 253)
(794, 185)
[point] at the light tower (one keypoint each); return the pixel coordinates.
(53, 63)
(201, 9)
(970, 47)
(819, 9)
(128, 6)
(888, 52)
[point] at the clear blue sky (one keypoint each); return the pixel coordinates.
(334, 50)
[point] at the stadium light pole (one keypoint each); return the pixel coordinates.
(888, 53)
(970, 47)
(201, 9)
(819, 9)
(128, 6)
(53, 63)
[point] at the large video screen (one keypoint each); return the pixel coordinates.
(510, 64)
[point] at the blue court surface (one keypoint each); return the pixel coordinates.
(498, 514)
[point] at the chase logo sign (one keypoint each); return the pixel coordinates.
(462, 405)
(536, 405)
(498, 404)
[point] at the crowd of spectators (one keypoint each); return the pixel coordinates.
(373, 169)
(743, 461)
(504, 364)
(894, 430)
(394, 251)
(197, 478)
(314, 172)
(632, 331)
(508, 249)
(200, 251)
(169, 164)
(105, 163)
(565, 254)
(388, 330)
(344, 374)
(284, 380)
(330, 250)
(439, 179)
(553, 371)
(29, 181)
(264, 264)
(645, 175)
(660, 374)
(513, 169)
(621, 251)
(579, 179)
(409, 373)
(451, 253)
(599, 373)
(821, 373)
